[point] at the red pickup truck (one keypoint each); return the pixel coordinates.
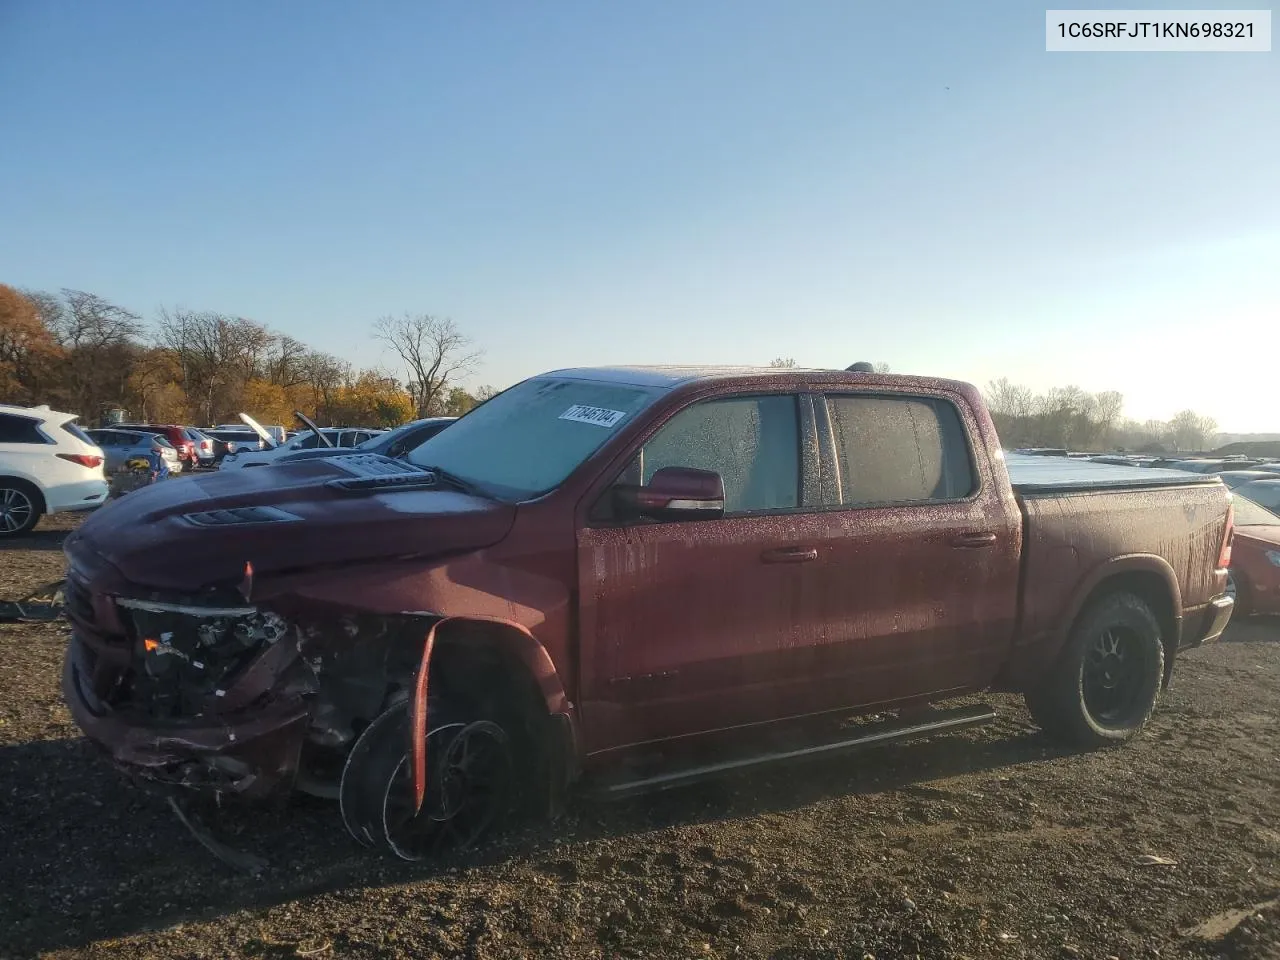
(637, 577)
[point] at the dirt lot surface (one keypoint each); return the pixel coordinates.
(990, 843)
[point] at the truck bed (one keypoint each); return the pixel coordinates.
(1043, 475)
(1079, 517)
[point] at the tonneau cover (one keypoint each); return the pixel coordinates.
(1032, 474)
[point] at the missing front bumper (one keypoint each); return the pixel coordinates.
(251, 756)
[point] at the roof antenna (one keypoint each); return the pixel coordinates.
(861, 367)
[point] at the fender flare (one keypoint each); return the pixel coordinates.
(1143, 563)
(516, 640)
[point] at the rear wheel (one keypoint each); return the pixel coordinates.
(20, 507)
(1106, 682)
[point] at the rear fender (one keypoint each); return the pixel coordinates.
(1114, 569)
(1140, 572)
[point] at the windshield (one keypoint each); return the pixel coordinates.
(1250, 514)
(526, 440)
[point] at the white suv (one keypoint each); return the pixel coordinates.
(47, 465)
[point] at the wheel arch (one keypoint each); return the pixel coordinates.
(501, 662)
(1148, 577)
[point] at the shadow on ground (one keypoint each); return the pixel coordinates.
(38, 539)
(88, 857)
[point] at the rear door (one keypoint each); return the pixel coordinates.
(113, 449)
(694, 625)
(920, 568)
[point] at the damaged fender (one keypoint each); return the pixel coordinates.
(517, 641)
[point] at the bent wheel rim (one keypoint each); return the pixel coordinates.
(1114, 675)
(468, 782)
(15, 510)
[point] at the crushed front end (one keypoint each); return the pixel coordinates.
(210, 694)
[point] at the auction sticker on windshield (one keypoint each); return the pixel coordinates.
(599, 416)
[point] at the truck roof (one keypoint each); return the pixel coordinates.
(670, 377)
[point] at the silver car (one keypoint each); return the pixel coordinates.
(119, 445)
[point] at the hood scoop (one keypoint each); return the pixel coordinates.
(371, 472)
(233, 516)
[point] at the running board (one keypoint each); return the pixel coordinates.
(871, 735)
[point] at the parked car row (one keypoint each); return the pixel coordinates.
(309, 445)
(119, 445)
(262, 455)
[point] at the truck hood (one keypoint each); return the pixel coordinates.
(188, 534)
(1266, 534)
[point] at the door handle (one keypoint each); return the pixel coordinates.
(790, 555)
(971, 540)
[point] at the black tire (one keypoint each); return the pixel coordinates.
(1105, 684)
(21, 507)
(375, 790)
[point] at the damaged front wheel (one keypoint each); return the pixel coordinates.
(468, 788)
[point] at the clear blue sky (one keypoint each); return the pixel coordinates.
(586, 182)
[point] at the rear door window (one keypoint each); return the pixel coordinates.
(15, 429)
(899, 449)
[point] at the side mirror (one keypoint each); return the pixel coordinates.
(673, 493)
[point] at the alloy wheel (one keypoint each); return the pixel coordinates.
(468, 786)
(16, 510)
(1112, 675)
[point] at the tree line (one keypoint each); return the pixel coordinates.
(1078, 420)
(79, 352)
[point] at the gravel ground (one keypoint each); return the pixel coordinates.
(990, 843)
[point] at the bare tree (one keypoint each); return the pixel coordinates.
(217, 354)
(93, 321)
(1189, 431)
(1009, 399)
(782, 363)
(880, 367)
(1107, 410)
(286, 363)
(100, 344)
(435, 354)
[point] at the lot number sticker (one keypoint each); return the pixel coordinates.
(598, 416)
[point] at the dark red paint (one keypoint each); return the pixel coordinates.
(1257, 576)
(649, 632)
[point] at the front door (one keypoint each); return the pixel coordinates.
(689, 626)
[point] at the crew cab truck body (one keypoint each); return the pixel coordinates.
(603, 566)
